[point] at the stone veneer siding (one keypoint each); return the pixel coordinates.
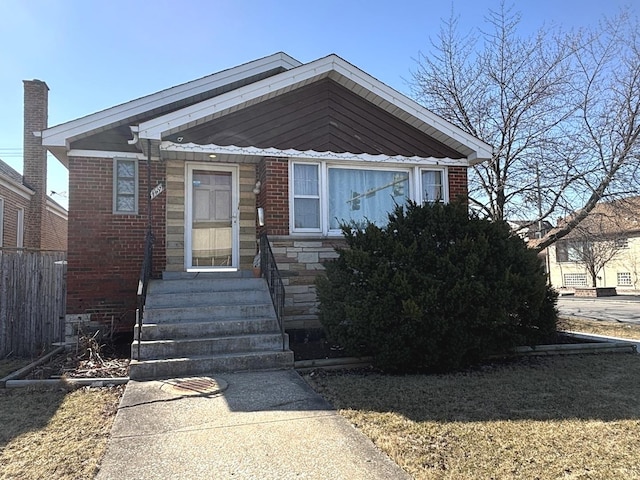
(176, 220)
(300, 258)
(300, 262)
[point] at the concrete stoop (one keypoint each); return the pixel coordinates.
(206, 325)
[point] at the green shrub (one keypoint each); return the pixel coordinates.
(434, 290)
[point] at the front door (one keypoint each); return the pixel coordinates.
(211, 236)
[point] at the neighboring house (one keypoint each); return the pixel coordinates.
(611, 233)
(19, 225)
(310, 145)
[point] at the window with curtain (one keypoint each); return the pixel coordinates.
(306, 196)
(325, 195)
(432, 189)
(125, 186)
(357, 195)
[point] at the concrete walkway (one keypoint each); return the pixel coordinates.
(262, 425)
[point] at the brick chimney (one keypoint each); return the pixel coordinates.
(36, 96)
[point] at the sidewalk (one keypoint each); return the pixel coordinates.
(263, 425)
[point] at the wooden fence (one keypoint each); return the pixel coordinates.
(32, 301)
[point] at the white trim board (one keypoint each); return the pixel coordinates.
(57, 210)
(108, 154)
(17, 188)
(308, 154)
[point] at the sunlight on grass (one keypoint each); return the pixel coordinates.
(54, 433)
(601, 327)
(562, 417)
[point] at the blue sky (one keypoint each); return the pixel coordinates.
(95, 54)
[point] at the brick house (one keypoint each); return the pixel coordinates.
(273, 146)
(29, 218)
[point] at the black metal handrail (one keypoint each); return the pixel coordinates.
(269, 269)
(143, 282)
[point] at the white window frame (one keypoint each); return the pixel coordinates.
(415, 188)
(445, 183)
(1, 220)
(293, 196)
(20, 228)
(136, 181)
(628, 280)
(574, 279)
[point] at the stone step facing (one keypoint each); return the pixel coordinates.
(204, 284)
(201, 329)
(187, 347)
(207, 312)
(192, 299)
(210, 324)
(198, 365)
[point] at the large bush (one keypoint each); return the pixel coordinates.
(434, 290)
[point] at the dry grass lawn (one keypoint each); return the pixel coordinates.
(573, 417)
(10, 365)
(54, 434)
(600, 327)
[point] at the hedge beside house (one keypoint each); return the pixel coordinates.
(435, 290)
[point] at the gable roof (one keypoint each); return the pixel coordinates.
(340, 71)
(608, 219)
(160, 115)
(7, 171)
(322, 116)
(58, 138)
(14, 181)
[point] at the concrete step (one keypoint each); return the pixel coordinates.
(205, 284)
(207, 312)
(199, 329)
(197, 365)
(195, 299)
(189, 347)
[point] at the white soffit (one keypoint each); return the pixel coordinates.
(61, 135)
(192, 148)
(339, 70)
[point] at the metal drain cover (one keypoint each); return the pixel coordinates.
(192, 386)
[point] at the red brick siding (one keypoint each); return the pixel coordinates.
(273, 173)
(274, 194)
(106, 250)
(458, 189)
(54, 232)
(12, 201)
(36, 95)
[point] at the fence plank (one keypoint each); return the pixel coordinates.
(32, 301)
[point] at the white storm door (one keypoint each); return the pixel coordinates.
(211, 226)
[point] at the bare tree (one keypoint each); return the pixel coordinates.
(596, 240)
(560, 110)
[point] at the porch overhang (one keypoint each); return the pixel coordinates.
(195, 152)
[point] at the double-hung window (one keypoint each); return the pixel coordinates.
(125, 186)
(432, 186)
(306, 197)
(325, 196)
